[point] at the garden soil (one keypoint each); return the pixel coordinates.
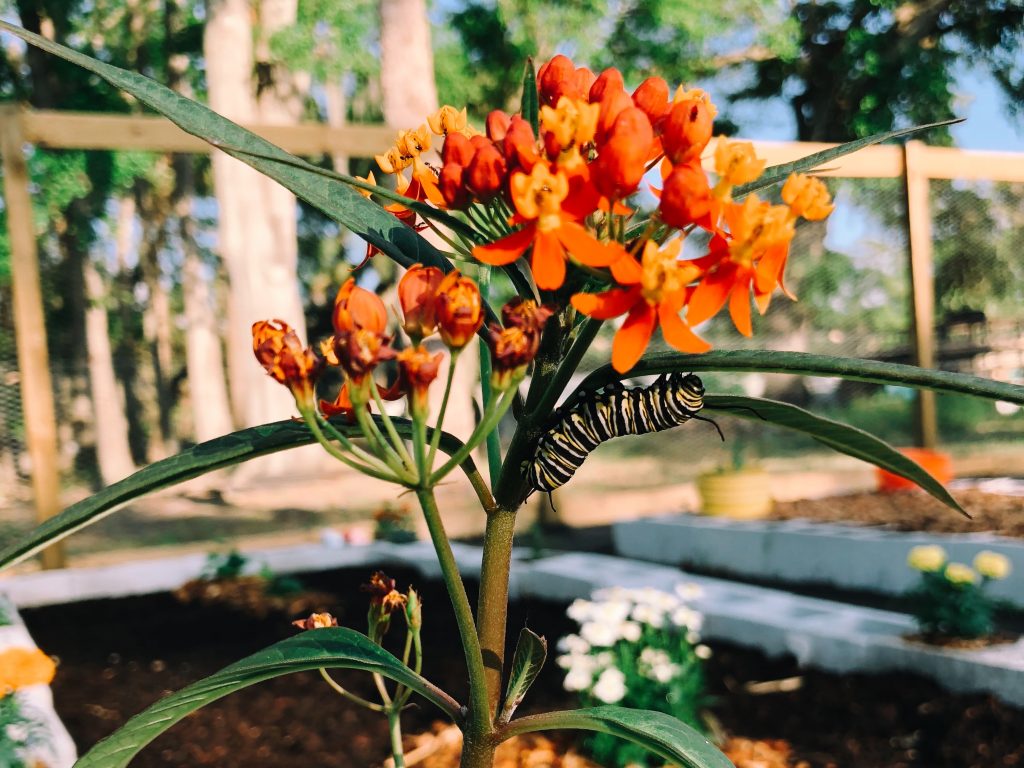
(116, 657)
(913, 511)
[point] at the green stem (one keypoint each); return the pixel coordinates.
(461, 249)
(346, 443)
(348, 694)
(395, 731)
(390, 427)
(328, 446)
(478, 720)
(436, 437)
(493, 439)
(489, 422)
(492, 605)
(585, 335)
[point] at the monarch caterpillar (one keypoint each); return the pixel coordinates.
(616, 411)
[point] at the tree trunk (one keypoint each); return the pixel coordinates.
(406, 63)
(256, 220)
(113, 453)
(334, 95)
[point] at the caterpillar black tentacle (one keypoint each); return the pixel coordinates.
(596, 417)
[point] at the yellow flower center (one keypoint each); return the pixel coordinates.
(662, 273)
(539, 196)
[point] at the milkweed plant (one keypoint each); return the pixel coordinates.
(637, 648)
(544, 202)
(949, 600)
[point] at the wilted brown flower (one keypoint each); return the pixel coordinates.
(525, 313)
(417, 369)
(383, 594)
(316, 621)
(360, 351)
(512, 349)
(279, 351)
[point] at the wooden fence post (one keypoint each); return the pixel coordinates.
(30, 330)
(922, 294)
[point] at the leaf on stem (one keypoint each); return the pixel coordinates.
(531, 652)
(657, 732)
(335, 647)
(837, 436)
(530, 106)
(779, 173)
(205, 457)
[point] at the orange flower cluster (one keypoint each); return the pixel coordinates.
(431, 302)
(566, 187)
(21, 667)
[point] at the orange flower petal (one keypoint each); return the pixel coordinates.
(603, 306)
(739, 302)
(548, 262)
(627, 270)
(710, 295)
(770, 267)
(677, 333)
(633, 337)
(506, 250)
(582, 246)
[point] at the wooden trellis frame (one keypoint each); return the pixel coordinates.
(914, 162)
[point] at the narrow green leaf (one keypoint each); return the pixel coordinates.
(368, 220)
(837, 436)
(657, 732)
(531, 652)
(803, 364)
(779, 173)
(530, 102)
(205, 457)
(328, 648)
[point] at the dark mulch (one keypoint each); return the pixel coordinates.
(119, 656)
(913, 511)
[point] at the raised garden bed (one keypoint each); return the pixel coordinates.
(124, 654)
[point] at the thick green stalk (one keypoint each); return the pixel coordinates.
(492, 606)
(478, 725)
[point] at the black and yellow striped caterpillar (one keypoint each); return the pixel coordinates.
(670, 401)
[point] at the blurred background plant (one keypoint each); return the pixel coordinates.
(395, 523)
(950, 600)
(636, 648)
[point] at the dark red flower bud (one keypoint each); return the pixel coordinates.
(611, 107)
(457, 149)
(520, 145)
(452, 185)
(485, 174)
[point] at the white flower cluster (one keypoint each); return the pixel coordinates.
(623, 615)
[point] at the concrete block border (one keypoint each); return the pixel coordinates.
(52, 746)
(804, 552)
(828, 635)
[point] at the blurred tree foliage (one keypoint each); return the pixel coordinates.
(481, 41)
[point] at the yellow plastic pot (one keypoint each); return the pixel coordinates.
(744, 494)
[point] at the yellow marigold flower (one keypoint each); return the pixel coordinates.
(695, 94)
(929, 558)
(807, 196)
(736, 163)
(21, 667)
(447, 120)
(958, 573)
(992, 565)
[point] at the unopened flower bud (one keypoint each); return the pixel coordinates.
(414, 610)
(652, 97)
(417, 295)
(356, 307)
(609, 80)
(460, 311)
(497, 125)
(485, 174)
(687, 130)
